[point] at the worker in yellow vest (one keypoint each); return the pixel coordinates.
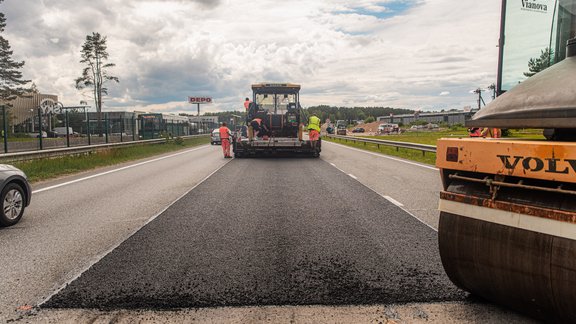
(313, 130)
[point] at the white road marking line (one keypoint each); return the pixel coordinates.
(394, 201)
(332, 164)
(401, 207)
(384, 156)
(353, 176)
(116, 170)
(101, 256)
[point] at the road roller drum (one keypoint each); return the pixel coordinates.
(507, 228)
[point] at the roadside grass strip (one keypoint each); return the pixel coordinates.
(43, 169)
(409, 154)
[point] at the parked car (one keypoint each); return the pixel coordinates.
(388, 128)
(15, 194)
(215, 137)
(52, 134)
(416, 127)
(330, 128)
(37, 135)
(358, 130)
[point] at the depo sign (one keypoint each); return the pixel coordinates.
(199, 100)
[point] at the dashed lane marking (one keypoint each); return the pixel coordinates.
(394, 201)
(386, 156)
(401, 206)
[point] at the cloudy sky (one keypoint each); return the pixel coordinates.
(416, 54)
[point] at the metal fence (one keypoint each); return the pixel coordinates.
(40, 129)
(413, 146)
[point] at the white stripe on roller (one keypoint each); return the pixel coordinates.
(521, 221)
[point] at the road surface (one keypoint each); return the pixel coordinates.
(304, 239)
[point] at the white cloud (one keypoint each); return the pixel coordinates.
(444, 93)
(166, 50)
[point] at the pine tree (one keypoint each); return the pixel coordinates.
(536, 65)
(95, 74)
(11, 83)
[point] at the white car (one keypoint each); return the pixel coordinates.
(215, 137)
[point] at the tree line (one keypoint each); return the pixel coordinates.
(366, 114)
(324, 112)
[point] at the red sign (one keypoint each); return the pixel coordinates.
(199, 100)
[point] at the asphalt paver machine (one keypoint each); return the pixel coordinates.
(278, 106)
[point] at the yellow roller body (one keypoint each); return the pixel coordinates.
(508, 222)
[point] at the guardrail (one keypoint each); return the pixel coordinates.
(419, 147)
(51, 153)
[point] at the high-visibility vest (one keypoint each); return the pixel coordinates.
(475, 132)
(491, 132)
(224, 132)
(247, 104)
(258, 120)
(314, 123)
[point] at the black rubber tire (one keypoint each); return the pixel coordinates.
(4, 219)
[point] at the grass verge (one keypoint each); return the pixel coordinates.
(409, 154)
(43, 169)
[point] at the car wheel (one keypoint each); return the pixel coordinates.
(12, 203)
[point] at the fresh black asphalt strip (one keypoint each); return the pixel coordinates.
(270, 232)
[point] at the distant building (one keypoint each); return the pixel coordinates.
(24, 111)
(448, 117)
(154, 125)
(202, 124)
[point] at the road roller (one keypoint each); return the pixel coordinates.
(507, 229)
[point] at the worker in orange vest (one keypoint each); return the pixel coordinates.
(259, 127)
(475, 132)
(247, 103)
(225, 136)
(491, 132)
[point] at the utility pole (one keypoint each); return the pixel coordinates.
(493, 88)
(480, 99)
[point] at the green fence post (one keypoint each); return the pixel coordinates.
(106, 126)
(121, 129)
(40, 126)
(5, 129)
(87, 125)
(67, 129)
